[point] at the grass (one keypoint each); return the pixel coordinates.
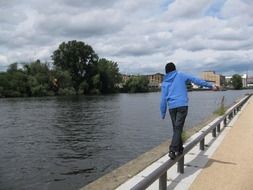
(221, 110)
(184, 136)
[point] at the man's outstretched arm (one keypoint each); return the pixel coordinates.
(200, 82)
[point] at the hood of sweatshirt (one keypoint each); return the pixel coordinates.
(169, 77)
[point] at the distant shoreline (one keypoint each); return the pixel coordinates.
(191, 90)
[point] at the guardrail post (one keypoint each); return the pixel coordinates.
(180, 165)
(163, 182)
(218, 128)
(202, 144)
(225, 121)
(214, 132)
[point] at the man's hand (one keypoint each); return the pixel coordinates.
(215, 87)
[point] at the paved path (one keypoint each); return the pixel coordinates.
(231, 166)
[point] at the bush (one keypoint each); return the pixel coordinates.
(66, 91)
(95, 91)
(39, 90)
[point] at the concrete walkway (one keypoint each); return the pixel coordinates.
(231, 165)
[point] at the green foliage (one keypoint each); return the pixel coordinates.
(38, 78)
(88, 73)
(96, 83)
(13, 84)
(62, 82)
(84, 88)
(220, 111)
(12, 68)
(32, 80)
(77, 71)
(137, 84)
(236, 81)
(66, 91)
(184, 136)
(78, 58)
(39, 90)
(109, 76)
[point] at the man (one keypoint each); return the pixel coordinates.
(174, 94)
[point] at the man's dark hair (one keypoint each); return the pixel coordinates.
(170, 67)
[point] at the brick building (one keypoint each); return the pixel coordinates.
(155, 80)
(211, 76)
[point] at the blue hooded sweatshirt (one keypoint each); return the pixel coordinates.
(174, 90)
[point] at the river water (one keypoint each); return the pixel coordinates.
(67, 142)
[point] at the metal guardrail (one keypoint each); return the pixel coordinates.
(214, 127)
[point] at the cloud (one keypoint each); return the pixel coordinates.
(3, 60)
(140, 35)
(187, 9)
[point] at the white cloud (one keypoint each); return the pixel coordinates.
(140, 35)
(3, 60)
(187, 9)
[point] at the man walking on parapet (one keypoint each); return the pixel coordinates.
(174, 95)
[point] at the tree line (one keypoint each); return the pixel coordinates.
(76, 69)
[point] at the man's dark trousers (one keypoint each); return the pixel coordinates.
(178, 116)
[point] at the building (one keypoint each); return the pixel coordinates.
(155, 80)
(244, 80)
(250, 81)
(126, 78)
(211, 76)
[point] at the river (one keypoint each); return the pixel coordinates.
(67, 142)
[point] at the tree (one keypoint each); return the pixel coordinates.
(236, 81)
(79, 59)
(12, 68)
(137, 84)
(13, 83)
(108, 76)
(62, 83)
(38, 81)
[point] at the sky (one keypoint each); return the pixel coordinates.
(140, 35)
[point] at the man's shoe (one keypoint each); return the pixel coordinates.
(180, 151)
(172, 155)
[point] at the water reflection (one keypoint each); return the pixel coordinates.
(83, 132)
